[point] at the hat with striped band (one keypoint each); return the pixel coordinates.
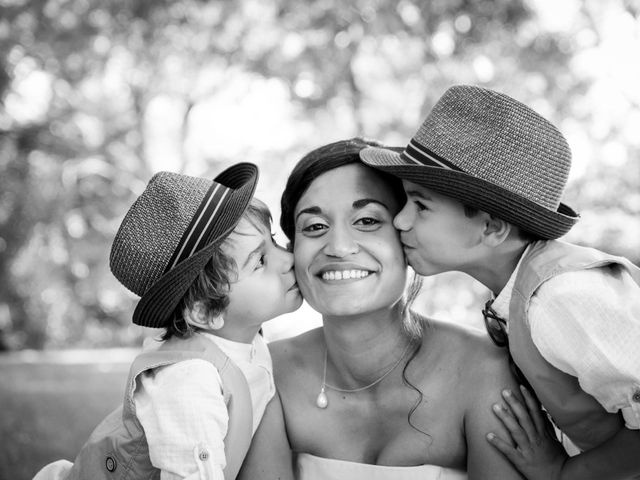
(490, 152)
(169, 233)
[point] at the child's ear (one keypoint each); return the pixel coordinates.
(196, 315)
(495, 231)
(216, 323)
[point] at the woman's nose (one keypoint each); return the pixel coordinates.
(340, 243)
(404, 219)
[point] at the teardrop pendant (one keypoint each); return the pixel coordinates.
(322, 401)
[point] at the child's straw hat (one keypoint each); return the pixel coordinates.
(490, 152)
(168, 234)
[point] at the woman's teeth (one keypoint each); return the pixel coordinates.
(344, 274)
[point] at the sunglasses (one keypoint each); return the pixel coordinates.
(497, 330)
(496, 326)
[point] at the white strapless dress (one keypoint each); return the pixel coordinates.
(310, 467)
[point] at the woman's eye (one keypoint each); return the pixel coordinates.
(368, 222)
(314, 229)
(260, 262)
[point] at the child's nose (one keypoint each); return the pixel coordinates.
(287, 261)
(404, 219)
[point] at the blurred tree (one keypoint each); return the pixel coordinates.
(96, 96)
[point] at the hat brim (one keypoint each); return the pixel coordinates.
(477, 193)
(157, 304)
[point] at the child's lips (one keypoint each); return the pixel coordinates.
(404, 243)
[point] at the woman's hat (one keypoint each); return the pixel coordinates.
(169, 233)
(490, 152)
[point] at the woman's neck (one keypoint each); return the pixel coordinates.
(360, 348)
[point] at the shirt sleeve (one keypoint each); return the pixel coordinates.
(185, 419)
(587, 324)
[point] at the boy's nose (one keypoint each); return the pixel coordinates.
(404, 219)
(340, 243)
(287, 261)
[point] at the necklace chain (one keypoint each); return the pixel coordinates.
(375, 382)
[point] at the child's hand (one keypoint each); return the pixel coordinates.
(537, 454)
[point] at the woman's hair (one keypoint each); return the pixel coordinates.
(322, 160)
(330, 157)
(211, 286)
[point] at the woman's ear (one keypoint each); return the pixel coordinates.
(495, 231)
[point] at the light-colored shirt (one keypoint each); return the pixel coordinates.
(587, 324)
(182, 410)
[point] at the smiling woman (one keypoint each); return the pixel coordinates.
(343, 229)
(377, 391)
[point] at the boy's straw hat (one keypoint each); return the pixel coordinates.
(168, 235)
(490, 152)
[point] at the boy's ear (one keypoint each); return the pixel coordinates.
(216, 323)
(495, 231)
(196, 316)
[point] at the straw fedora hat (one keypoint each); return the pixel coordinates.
(490, 152)
(169, 233)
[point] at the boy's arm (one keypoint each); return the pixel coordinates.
(269, 456)
(185, 420)
(587, 324)
(617, 458)
(537, 455)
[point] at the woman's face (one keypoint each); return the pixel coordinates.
(347, 253)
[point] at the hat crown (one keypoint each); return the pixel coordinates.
(495, 138)
(152, 228)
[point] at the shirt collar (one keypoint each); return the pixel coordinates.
(237, 351)
(501, 303)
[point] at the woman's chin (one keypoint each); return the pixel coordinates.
(344, 308)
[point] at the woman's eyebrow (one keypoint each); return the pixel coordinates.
(310, 210)
(358, 204)
(363, 202)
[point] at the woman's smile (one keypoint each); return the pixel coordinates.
(343, 272)
(335, 275)
(348, 255)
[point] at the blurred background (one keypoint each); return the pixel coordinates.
(96, 96)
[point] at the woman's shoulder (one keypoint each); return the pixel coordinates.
(465, 345)
(468, 354)
(296, 351)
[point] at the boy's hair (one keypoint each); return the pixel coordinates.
(522, 234)
(211, 286)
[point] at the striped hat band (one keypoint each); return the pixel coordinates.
(197, 234)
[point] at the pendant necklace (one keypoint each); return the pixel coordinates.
(322, 401)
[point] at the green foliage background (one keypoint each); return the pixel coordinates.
(98, 95)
